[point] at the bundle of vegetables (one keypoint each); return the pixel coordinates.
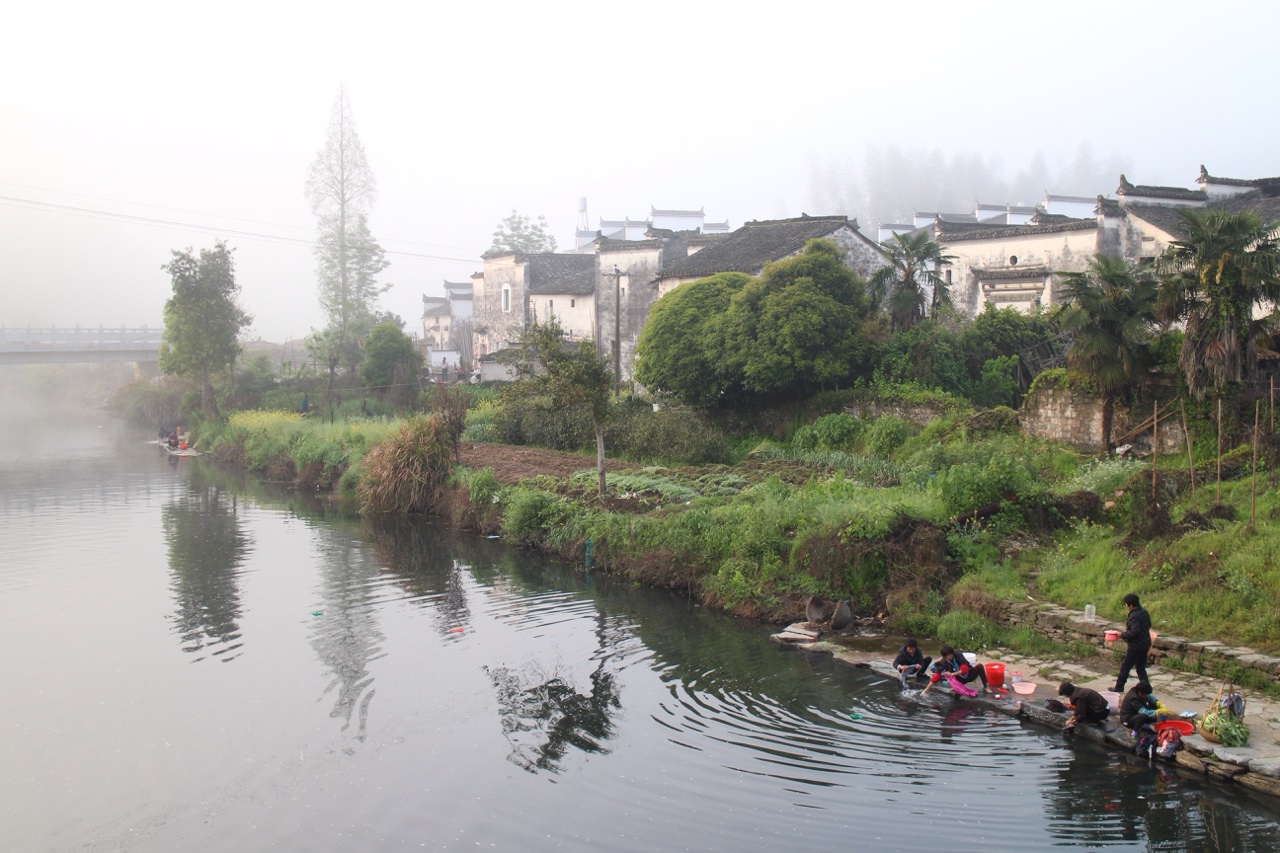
(1225, 727)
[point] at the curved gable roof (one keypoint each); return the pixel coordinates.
(755, 244)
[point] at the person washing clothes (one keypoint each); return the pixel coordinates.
(910, 662)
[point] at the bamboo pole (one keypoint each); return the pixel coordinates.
(1155, 447)
(1218, 498)
(1191, 464)
(1253, 488)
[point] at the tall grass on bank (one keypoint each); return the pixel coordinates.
(264, 440)
(406, 472)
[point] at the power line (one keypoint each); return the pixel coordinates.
(155, 222)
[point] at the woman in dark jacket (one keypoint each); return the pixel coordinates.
(909, 661)
(1090, 706)
(1138, 708)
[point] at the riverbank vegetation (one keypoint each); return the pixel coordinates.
(812, 435)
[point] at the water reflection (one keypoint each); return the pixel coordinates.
(346, 635)
(207, 546)
(1104, 798)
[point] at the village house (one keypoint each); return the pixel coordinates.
(446, 327)
(756, 244)
(1016, 265)
(605, 291)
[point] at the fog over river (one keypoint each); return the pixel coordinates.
(197, 662)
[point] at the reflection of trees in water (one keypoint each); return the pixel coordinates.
(542, 714)
(548, 716)
(347, 637)
(1104, 800)
(207, 545)
(430, 562)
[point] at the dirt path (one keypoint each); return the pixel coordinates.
(511, 464)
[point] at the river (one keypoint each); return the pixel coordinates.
(194, 661)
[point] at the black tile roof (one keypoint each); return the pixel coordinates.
(653, 211)
(1128, 189)
(551, 273)
(1109, 206)
(1169, 220)
(755, 244)
(960, 233)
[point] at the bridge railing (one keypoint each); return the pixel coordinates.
(70, 338)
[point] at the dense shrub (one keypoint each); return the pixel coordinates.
(530, 514)
(838, 431)
(667, 435)
(886, 435)
(970, 485)
(521, 419)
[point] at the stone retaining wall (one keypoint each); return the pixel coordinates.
(1071, 626)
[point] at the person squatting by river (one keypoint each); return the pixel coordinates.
(1137, 633)
(1090, 706)
(909, 661)
(956, 664)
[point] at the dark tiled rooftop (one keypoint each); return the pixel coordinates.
(1178, 193)
(561, 273)
(753, 245)
(968, 232)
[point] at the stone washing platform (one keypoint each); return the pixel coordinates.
(1256, 766)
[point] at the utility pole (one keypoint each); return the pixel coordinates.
(617, 275)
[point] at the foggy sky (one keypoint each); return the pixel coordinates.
(185, 115)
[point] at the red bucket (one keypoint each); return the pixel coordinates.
(995, 674)
(1183, 727)
(1111, 636)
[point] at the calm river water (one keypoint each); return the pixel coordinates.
(193, 663)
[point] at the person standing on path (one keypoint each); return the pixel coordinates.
(1137, 633)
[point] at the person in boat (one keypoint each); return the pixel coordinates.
(173, 440)
(911, 662)
(951, 662)
(1090, 706)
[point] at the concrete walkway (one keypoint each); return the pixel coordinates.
(1256, 766)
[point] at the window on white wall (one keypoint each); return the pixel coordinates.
(573, 303)
(506, 299)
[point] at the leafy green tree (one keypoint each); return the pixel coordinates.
(929, 355)
(1001, 332)
(996, 385)
(341, 189)
(1111, 309)
(914, 263)
(797, 324)
(202, 319)
(1212, 280)
(572, 374)
(390, 358)
(679, 351)
(520, 233)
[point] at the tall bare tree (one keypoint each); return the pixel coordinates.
(342, 189)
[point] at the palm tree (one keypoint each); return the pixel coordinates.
(1110, 308)
(913, 262)
(1226, 266)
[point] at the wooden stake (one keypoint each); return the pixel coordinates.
(1155, 447)
(1218, 498)
(1253, 490)
(1191, 464)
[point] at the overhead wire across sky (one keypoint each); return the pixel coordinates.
(173, 224)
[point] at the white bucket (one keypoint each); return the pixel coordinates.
(971, 658)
